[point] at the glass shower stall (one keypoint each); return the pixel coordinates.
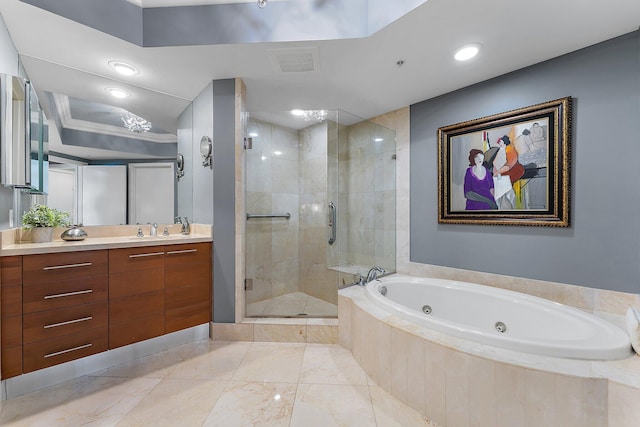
(320, 203)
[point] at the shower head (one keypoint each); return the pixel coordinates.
(262, 3)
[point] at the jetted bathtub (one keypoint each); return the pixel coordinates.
(501, 318)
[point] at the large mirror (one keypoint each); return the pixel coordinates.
(107, 166)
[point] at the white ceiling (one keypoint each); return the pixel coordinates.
(356, 75)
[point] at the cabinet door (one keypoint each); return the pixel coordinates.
(136, 295)
(188, 285)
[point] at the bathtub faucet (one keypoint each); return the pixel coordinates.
(371, 275)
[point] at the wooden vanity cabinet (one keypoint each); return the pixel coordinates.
(187, 286)
(59, 307)
(136, 294)
(64, 307)
(11, 316)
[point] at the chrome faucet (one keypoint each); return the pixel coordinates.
(185, 226)
(371, 275)
(153, 230)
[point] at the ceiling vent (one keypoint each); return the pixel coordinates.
(301, 60)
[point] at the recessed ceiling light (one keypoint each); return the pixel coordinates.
(297, 112)
(466, 52)
(378, 139)
(117, 93)
(253, 134)
(124, 68)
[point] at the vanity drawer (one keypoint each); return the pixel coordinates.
(42, 354)
(191, 253)
(50, 324)
(127, 260)
(49, 296)
(58, 267)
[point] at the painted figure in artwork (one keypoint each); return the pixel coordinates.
(506, 165)
(478, 184)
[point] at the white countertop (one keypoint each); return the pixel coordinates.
(111, 237)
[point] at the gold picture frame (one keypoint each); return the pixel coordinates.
(511, 168)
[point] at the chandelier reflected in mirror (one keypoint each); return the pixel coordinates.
(135, 124)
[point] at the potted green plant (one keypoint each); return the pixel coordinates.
(41, 219)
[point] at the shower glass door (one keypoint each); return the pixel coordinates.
(286, 204)
(299, 250)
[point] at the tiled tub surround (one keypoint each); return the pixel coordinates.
(461, 383)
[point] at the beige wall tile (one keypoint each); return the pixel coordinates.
(357, 336)
(540, 398)
(510, 392)
(435, 381)
(416, 385)
(344, 325)
(382, 356)
(624, 405)
(482, 392)
(615, 302)
(279, 333)
(400, 343)
(595, 402)
(569, 401)
(457, 388)
(322, 334)
(232, 332)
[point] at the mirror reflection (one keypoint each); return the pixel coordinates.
(107, 165)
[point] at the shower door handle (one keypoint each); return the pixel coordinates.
(332, 223)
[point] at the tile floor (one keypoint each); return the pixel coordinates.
(292, 304)
(214, 383)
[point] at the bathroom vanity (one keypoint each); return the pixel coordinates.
(62, 301)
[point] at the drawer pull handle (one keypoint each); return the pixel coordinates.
(68, 294)
(184, 251)
(57, 353)
(69, 322)
(144, 255)
(58, 267)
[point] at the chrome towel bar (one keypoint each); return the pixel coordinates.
(284, 215)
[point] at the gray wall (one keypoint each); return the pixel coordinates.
(601, 248)
(224, 201)
(202, 176)
(213, 199)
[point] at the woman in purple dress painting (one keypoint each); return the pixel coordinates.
(478, 184)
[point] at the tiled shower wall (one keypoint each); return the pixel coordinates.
(367, 202)
(315, 278)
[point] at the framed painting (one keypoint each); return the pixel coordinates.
(511, 168)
